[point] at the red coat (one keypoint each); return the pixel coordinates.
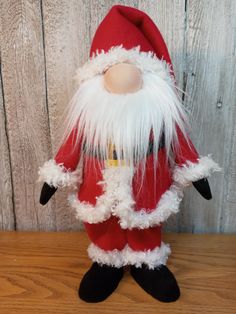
(140, 204)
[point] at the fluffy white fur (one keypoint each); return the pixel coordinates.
(86, 212)
(190, 172)
(117, 200)
(126, 120)
(145, 61)
(57, 175)
(116, 193)
(127, 256)
(167, 205)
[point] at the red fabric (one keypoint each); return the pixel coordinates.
(146, 239)
(70, 152)
(149, 189)
(129, 27)
(146, 192)
(109, 236)
(185, 151)
(92, 174)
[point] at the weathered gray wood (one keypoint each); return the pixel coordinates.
(210, 85)
(226, 102)
(26, 113)
(67, 41)
(6, 202)
(169, 16)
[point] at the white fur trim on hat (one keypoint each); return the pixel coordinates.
(101, 61)
(190, 171)
(117, 200)
(57, 175)
(152, 258)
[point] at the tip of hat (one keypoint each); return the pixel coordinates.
(122, 7)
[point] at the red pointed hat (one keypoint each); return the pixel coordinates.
(125, 35)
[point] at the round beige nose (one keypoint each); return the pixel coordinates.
(123, 78)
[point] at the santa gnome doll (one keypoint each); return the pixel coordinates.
(126, 148)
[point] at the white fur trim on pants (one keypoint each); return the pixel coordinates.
(190, 171)
(117, 200)
(57, 175)
(127, 256)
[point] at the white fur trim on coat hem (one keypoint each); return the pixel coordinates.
(141, 219)
(116, 186)
(145, 61)
(57, 175)
(117, 200)
(190, 171)
(127, 256)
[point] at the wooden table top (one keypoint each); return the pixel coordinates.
(41, 272)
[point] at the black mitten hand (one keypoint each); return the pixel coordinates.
(203, 187)
(46, 193)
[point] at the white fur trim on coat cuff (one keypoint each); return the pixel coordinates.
(57, 175)
(191, 172)
(127, 256)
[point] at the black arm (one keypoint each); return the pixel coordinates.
(46, 193)
(203, 187)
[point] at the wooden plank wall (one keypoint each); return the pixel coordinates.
(43, 42)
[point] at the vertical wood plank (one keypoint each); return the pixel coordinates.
(67, 41)
(169, 16)
(7, 220)
(210, 85)
(226, 98)
(25, 102)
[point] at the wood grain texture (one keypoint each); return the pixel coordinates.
(26, 113)
(67, 40)
(210, 87)
(227, 103)
(7, 221)
(169, 16)
(41, 272)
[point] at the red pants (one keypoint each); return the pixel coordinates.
(109, 236)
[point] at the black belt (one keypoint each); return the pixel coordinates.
(149, 150)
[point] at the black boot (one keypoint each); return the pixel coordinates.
(99, 282)
(159, 282)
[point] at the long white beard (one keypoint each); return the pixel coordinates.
(126, 120)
